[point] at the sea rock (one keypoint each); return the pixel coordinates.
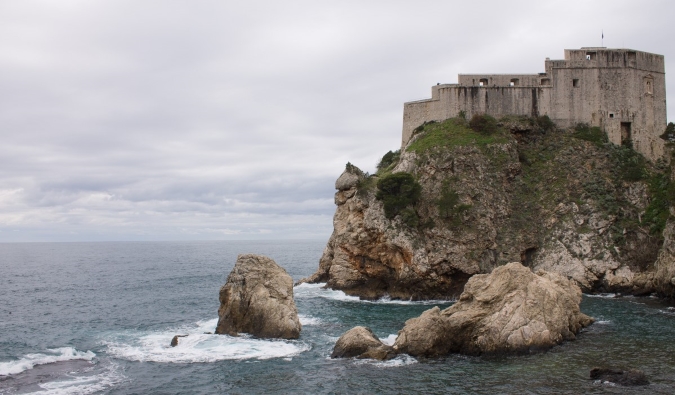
(258, 299)
(174, 341)
(628, 377)
(511, 310)
(361, 342)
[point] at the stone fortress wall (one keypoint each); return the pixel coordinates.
(622, 91)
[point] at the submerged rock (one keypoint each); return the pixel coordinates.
(258, 299)
(174, 341)
(361, 342)
(511, 310)
(627, 377)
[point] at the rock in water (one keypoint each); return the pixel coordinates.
(174, 341)
(258, 299)
(627, 377)
(510, 310)
(361, 342)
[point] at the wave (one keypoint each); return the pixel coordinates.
(84, 384)
(308, 320)
(29, 361)
(602, 295)
(389, 340)
(401, 360)
(307, 291)
(198, 347)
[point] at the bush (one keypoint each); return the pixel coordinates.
(593, 134)
(631, 165)
(388, 159)
(484, 124)
(544, 123)
(448, 206)
(669, 134)
(397, 191)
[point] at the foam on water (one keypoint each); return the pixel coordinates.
(306, 290)
(401, 360)
(84, 384)
(155, 346)
(29, 361)
(308, 320)
(604, 295)
(389, 340)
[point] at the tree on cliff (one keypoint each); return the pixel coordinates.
(397, 191)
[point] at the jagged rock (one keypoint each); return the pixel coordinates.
(511, 310)
(664, 278)
(629, 377)
(347, 180)
(258, 299)
(361, 342)
(174, 341)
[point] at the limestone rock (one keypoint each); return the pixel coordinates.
(346, 181)
(361, 342)
(258, 299)
(511, 310)
(629, 377)
(664, 277)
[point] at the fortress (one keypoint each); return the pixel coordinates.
(622, 91)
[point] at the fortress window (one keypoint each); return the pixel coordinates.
(545, 81)
(611, 115)
(483, 82)
(575, 82)
(514, 82)
(591, 55)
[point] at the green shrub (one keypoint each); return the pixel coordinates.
(593, 134)
(544, 123)
(662, 192)
(410, 217)
(388, 159)
(484, 124)
(448, 206)
(397, 191)
(669, 134)
(630, 164)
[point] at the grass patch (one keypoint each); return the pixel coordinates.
(593, 134)
(452, 133)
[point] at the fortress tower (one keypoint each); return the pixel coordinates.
(623, 91)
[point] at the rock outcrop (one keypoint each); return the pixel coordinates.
(361, 342)
(629, 377)
(546, 198)
(258, 299)
(664, 277)
(174, 340)
(511, 310)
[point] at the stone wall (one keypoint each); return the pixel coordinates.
(619, 90)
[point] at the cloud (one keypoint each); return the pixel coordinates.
(125, 120)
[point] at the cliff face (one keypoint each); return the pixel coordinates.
(556, 200)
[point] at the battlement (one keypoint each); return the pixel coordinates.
(622, 91)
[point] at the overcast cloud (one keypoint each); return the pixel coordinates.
(182, 120)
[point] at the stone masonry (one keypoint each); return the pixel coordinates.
(622, 91)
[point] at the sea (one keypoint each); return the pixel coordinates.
(98, 318)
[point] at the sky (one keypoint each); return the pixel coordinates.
(217, 120)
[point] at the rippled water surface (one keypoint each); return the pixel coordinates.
(98, 318)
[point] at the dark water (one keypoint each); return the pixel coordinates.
(98, 318)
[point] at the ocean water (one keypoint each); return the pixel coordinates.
(86, 318)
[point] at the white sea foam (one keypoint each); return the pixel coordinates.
(198, 346)
(29, 361)
(84, 384)
(308, 320)
(605, 295)
(603, 322)
(401, 360)
(305, 290)
(389, 340)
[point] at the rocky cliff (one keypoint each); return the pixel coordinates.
(483, 193)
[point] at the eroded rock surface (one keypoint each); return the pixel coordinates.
(361, 342)
(258, 299)
(511, 310)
